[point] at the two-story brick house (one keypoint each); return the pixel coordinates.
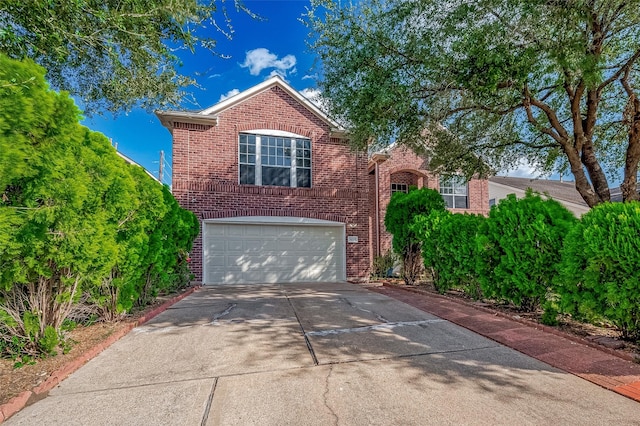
(280, 195)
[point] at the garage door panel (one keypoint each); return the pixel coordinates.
(269, 231)
(256, 253)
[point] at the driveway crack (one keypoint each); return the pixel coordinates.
(224, 313)
(326, 394)
(378, 316)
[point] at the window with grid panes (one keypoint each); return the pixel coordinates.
(454, 192)
(399, 187)
(274, 160)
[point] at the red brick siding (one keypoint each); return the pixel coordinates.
(205, 174)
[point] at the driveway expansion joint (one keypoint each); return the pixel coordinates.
(384, 326)
(306, 338)
(207, 408)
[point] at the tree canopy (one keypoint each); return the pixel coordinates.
(114, 54)
(490, 82)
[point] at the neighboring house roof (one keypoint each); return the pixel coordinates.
(616, 193)
(558, 190)
(210, 115)
(130, 161)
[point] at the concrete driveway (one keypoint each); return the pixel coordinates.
(316, 354)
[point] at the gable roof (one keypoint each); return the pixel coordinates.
(133, 163)
(558, 190)
(210, 115)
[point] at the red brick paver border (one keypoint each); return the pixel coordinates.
(602, 366)
(17, 403)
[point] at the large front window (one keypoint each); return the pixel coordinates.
(275, 160)
(454, 192)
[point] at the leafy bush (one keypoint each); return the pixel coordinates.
(427, 230)
(398, 220)
(76, 221)
(519, 249)
(449, 248)
(382, 264)
(600, 273)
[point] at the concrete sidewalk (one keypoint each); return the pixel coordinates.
(317, 354)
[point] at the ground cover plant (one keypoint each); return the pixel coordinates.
(77, 223)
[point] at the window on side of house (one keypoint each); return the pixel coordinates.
(399, 187)
(274, 160)
(454, 192)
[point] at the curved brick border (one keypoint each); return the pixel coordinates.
(17, 403)
(620, 354)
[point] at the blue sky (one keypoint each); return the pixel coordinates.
(259, 47)
(275, 44)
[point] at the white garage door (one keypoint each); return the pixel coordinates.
(250, 252)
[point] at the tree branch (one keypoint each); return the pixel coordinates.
(620, 71)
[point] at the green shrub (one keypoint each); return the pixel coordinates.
(401, 211)
(449, 249)
(427, 230)
(382, 264)
(458, 239)
(600, 269)
(519, 249)
(76, 221)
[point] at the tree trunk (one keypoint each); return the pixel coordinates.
(596, 174)
(629, 186)
(582, 183)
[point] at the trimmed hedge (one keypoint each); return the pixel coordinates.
(398, 220)
(600, 269)
(520, 248)
(78, 225)
(449, 250)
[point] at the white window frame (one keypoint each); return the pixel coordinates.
(268, 133)
(454, 183)
(399, 187)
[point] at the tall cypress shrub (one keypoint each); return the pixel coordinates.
(398, 220)
(600, 269)
(520, 249)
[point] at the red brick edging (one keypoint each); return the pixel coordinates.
(548, 329)
(621, 382)
(17, 403)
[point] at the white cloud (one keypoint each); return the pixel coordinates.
(260, 59)
(229, 94)
(524, 169)
(315, 96)
(215, 76)
(310, 77)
